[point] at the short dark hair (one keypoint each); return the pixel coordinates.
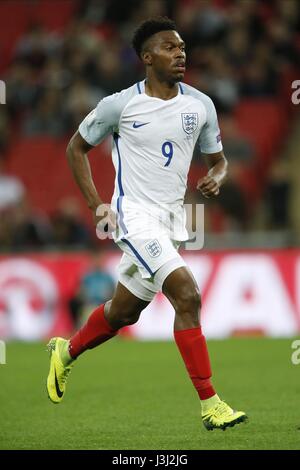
(148, 28)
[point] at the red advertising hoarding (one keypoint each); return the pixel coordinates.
(255, 292)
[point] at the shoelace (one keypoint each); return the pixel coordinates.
(65, 374)
(221, 408)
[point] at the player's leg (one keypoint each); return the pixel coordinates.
(103, 324)
(182, 291)
(122, 310)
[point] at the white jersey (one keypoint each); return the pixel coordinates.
(154, 140)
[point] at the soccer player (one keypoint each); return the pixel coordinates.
(155, 125)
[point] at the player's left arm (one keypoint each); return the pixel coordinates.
(210, 184)
(212, 150)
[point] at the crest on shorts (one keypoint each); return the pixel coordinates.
(153, 248)
(189, 122)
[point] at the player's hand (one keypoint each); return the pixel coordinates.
(208, 186)
(104, 220)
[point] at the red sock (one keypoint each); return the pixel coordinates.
(94, 332)
(192, 346)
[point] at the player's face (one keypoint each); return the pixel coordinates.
(167, 56)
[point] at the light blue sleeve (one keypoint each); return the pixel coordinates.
(210, 136)
(104, 119)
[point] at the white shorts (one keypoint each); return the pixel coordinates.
(145, 265)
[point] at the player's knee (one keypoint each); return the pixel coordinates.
(131, 318)
(188, 300)
(123, 317)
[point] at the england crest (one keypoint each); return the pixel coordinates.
(153, 248)
(189, 122)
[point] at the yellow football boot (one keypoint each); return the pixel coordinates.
(58, 373)
(221, 416)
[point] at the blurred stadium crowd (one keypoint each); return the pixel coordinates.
(58, 64)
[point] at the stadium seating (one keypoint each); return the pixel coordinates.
(53, 14)
(264, 122)
(42, 166)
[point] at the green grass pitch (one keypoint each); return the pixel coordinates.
(137, 395)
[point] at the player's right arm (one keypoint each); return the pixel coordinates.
(79, 163)
(97, 125)
(77, 157)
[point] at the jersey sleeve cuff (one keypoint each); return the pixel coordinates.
(212, 148)
(84, 135)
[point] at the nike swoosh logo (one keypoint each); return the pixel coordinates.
(58, 391)
(136, 125)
